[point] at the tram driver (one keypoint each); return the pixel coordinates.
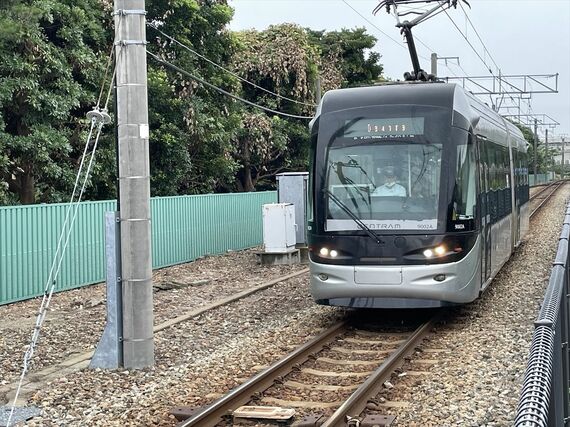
(390, 186)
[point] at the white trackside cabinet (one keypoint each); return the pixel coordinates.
(279, 227)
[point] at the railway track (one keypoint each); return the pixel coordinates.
(81, 360)
(328, 381)
(538, 199)
(324, 382)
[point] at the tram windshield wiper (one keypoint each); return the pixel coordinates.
(352, 163)
(351, 185)
(353, 216)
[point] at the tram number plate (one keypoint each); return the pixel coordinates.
(378, 275)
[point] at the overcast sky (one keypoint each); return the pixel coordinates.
(523, 37)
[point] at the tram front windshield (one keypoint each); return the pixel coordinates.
(388, 178)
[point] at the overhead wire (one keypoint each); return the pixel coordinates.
(450, 69)
(478, 36)
(222, 91)
(374, 25)
(400, 44)
(468, 42)
(475, 50)
(199, 55)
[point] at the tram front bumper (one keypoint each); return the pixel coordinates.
(460, 284)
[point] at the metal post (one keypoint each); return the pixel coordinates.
(109, 351)
(134, 183)
(434, 64)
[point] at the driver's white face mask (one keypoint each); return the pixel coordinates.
(390, 182)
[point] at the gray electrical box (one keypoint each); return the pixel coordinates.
(292, 188)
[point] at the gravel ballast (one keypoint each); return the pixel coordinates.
(484, 346)
(476, 380)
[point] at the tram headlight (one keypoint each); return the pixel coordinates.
(437, 251)
(440, 250)
(325, 252)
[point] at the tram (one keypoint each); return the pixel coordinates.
(418, 195)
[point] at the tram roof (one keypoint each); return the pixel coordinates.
(436, 94)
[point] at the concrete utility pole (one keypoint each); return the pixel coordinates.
(535, 144)
(435, 58)
(134, 183)
(546, 149)
(434, 64)
(563, 164)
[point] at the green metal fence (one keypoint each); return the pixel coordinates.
(183, 229)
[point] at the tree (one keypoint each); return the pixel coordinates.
(53, 56)
(49, 70)
(544, 160)
(287, 60)
(350, 52)
(191, 126)
(282, 60)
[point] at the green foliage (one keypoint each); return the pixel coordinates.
(288, 60)
(349, 50)
(53, 54)
(50, 61)
(544, 159)
(191, 126)
(280, 59)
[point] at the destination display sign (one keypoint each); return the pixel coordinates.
(384, 128)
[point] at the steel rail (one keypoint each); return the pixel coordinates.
(556, 186)
(356, 403)
(538, 193)
(214, 413)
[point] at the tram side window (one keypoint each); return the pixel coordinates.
(500, 181)
(522, 179)
(516, 184)
(525, 176)
(465, 191)
(493, 183)
(506, 182)
(483, 178)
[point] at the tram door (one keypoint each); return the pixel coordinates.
(484, 184)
